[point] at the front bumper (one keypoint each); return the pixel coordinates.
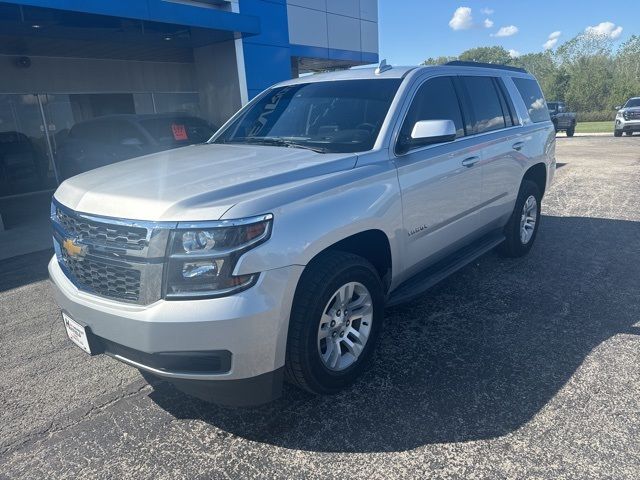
(246, 332)
(627, 125)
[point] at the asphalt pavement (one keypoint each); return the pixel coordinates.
(526, 368)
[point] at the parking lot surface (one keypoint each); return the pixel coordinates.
(508, 369)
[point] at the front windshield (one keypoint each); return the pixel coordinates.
(328, 117)
(552, 106)
(632, 102)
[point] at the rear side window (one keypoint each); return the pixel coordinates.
(436, 99)
(533, 99)
(485, 104)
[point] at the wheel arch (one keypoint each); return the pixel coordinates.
(373, 245)
(538, 175)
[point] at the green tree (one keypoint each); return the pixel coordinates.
(487, 55)
(438, 60)
(585, 72)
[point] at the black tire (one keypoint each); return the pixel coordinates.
(629, 134)
(513, 245)
(617, 133)
(322, 277)
(571, 131)
(555, 126)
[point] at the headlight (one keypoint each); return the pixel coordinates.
(619, 115)
(201, 257)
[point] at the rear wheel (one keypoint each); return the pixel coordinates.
(523, 225)
(335, 322)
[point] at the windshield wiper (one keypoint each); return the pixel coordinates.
(276, 141)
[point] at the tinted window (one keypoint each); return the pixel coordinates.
(509, 111)
(632, 102)
(485, 104)
(533, 99)
(435, 100)
(339, 116)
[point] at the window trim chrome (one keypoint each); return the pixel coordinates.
(404, 111)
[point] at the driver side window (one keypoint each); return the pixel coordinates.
(436, 99)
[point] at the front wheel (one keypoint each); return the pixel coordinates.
(335, 322)
(571, 131)
(522, 228)
(617, 133)
(629, 134)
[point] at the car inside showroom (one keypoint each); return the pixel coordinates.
(140, 77)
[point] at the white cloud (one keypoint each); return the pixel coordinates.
(486, 11)
(514, 53)
(488, 23)
(462, 19)
(607, 29)
(552, 40)
(506, 31)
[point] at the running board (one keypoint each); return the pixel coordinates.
(421, 282)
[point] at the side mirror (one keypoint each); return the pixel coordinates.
(618, 107)
(427, 132)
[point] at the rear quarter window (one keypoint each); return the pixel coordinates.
(533, 99)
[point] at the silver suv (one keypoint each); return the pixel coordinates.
(271, 251)
(628, 118)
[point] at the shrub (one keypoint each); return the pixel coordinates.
(598, 116)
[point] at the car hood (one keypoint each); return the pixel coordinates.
(630, 109)
(195, 183)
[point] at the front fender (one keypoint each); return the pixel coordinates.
(326, 212)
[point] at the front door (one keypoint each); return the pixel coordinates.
(441, 184)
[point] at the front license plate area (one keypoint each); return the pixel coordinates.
(76, 333)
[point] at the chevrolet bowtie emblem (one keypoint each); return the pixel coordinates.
(73, 249)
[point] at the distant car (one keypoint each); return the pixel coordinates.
(628, 118)
(562, 120)
(113, 138)
(23, 165)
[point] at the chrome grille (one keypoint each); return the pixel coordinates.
(117, 259)
(102, 233)
(103, 278)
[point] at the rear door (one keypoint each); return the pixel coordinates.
(441, 184)
(496, 128)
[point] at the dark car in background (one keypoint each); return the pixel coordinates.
(23, 164)
(113, 138)
(562, 120)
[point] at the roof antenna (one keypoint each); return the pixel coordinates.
(383, 67)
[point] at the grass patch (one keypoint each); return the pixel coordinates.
(594, 127)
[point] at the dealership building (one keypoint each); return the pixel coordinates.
(67, 61)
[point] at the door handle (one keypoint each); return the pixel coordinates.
(518, 146)
(471, 161)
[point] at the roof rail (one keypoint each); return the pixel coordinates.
(496, 66)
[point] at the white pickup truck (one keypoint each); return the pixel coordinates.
(270, 251)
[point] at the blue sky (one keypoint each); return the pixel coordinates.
(412, 30)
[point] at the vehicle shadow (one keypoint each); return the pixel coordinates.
(476, 357)
(24, 269)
